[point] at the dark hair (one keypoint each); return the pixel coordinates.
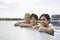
(34, 15)
(46, 15)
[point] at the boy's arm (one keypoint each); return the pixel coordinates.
(25, 25)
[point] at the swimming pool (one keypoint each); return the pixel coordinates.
(9, 32)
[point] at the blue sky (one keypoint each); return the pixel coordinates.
(17, 8)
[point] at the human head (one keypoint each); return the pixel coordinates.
(44, 19)
(33, 18)
(27, 16)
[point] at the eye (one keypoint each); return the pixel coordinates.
(26, 17)
(43, 19)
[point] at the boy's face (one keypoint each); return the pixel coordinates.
(33, 20)
(27, 17)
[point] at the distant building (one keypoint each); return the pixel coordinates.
(55, 20)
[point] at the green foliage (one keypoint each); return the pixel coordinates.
(11, 18)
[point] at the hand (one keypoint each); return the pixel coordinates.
(36, 26)
(42, 29)
(17, 24)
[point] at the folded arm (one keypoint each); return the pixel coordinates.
(25, 25)
(46, 30)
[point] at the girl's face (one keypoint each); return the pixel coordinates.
(33, 20)
(44, 21)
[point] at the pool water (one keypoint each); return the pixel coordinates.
(8, 26)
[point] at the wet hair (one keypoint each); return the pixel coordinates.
(34, 15)
(45, 15)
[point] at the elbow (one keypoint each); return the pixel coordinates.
(51, 32)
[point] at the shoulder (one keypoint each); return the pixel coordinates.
(50, 27)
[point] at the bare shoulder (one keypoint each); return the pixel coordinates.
(50, 27)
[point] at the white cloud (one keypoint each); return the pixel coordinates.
(17, 8)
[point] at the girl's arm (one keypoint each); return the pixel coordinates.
(46, 30)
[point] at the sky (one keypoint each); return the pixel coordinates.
(17, 8)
